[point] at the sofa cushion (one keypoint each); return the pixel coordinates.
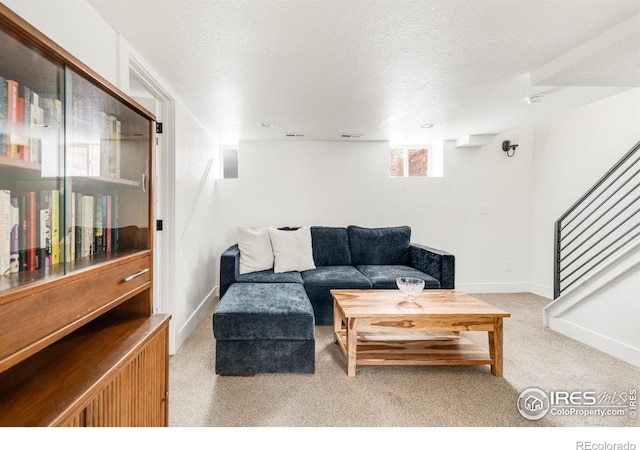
(384, 276)
(264, 311)
(319, 282)
(256, 253)
(335, 277)
(292, 250)
(269, 276)
(330, 246)
(371, 246)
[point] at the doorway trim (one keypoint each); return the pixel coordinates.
(164, 302)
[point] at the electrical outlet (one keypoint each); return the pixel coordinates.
(507, 266)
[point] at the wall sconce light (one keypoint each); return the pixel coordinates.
(510, 147)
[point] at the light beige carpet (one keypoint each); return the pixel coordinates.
(400, 396)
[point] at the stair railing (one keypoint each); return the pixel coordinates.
(602, 222)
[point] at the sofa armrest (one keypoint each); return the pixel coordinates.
(229, 268)
(437, 263)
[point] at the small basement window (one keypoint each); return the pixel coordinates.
(415, 161)
(229, 161)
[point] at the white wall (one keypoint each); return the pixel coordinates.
(572, 151)
(195, 259)
(343, 183)
(77, 27)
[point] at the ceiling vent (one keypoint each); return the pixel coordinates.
(352, 135)
(294, 135)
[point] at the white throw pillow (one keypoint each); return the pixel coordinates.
(292, 250)
(255, 249)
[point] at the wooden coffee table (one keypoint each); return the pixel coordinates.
(379, 327)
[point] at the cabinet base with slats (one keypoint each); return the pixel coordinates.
(109, 373)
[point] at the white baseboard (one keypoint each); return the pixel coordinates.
(491, 288)
(605, 344)
(541, 290)
(190, 324)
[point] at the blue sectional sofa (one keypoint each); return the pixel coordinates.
(351, 258)
(265, 320)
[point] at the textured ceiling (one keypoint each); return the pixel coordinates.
(380, 68)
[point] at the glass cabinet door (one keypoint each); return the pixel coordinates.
(31, 155)
(106, 173)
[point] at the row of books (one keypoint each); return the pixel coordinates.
(31, 130)
(28, 122)
(32, 232)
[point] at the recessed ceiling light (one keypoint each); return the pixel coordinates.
(267, 124)
(426, 125)
(535, 98)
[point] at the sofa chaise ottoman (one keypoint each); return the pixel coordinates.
(350, 257)
(264, 328)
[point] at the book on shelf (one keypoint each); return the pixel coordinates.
(14, 244)
(25, 99)
(78, 221)
(111, 147)
(45, 246)
(98, 230)
(109, 224)
(55, 227)
(115, 235)
(51, 137)
(118, 149)
(32, 231)
(5, 232)
(12, 137)
(22, 231)
(71, 230)
(18, 249)
(36, 124)
(87, 226)
(3, 116)
(102, 224)
(18, 149)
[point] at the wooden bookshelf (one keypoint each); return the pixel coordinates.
(79, 342)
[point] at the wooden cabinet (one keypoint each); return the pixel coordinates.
(79, 343)
(113, 372)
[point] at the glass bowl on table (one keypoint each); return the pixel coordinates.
(410, 286)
